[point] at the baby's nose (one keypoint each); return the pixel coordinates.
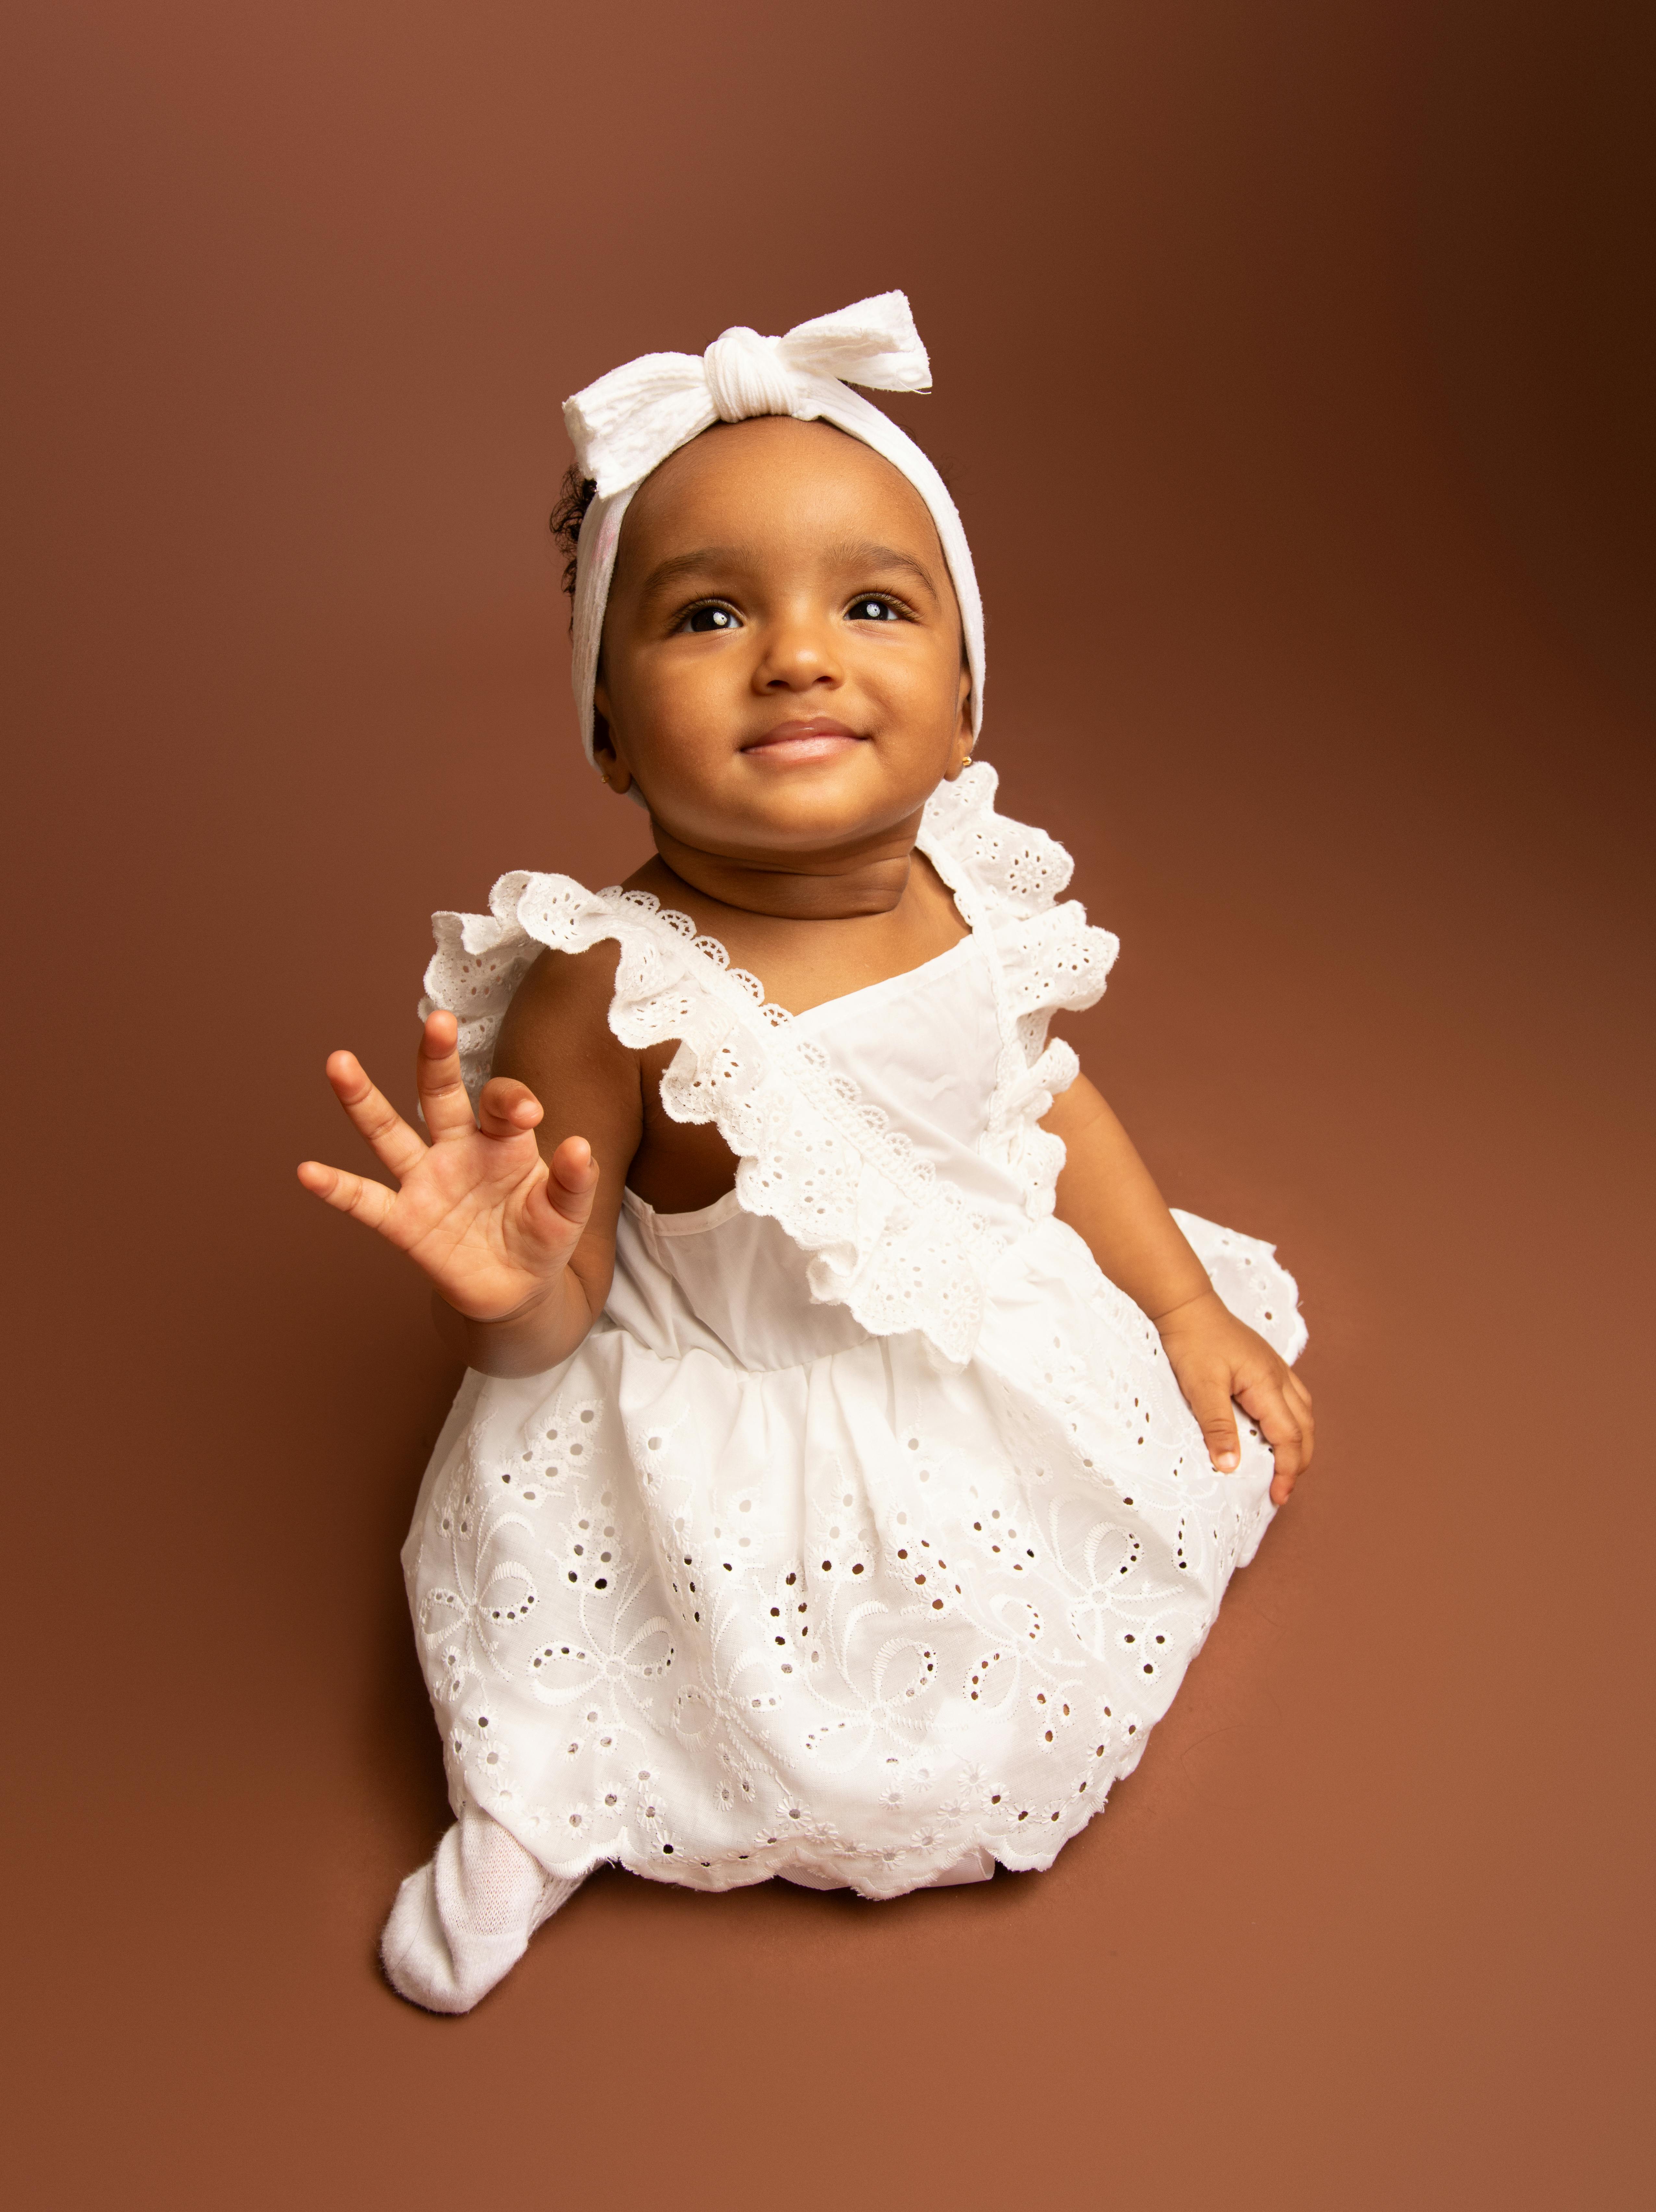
(800, 653)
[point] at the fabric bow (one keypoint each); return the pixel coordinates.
(628, 422)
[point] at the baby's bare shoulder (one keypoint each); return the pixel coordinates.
(556, 1030)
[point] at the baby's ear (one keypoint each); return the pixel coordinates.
(610, 766)
(965, 736)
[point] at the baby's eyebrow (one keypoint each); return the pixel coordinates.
(676, 569)
(864, 556)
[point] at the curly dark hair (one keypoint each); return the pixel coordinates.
(575, 494)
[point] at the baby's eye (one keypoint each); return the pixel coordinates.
(703, 620)
(870, 609)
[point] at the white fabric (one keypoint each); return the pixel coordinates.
(462, 1923)
(977, 1866)
(627, 423)
(868, 1531)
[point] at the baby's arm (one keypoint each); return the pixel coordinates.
(1106, 1195)
(520, 1248)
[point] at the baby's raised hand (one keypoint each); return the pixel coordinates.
(478, 1209)
(1218, 1359)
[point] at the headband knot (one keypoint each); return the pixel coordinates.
(628, 422)
(746, 376)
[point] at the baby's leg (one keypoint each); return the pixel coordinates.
(464, 1920)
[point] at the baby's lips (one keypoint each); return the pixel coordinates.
(818, 737)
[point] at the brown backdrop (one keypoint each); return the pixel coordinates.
(1291, 380)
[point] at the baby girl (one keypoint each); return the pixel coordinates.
(848, 1464)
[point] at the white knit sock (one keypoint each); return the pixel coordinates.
(465, 1919)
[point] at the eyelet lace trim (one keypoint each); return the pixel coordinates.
(886, 1236)
(1045, 958)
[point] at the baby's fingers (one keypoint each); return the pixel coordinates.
(440, 1081)
(1209, 1401)
(1285, 1427)
(1300, 1398)
(508, 1108)
(563, 1198)
(370, 1203)
(372, 1116)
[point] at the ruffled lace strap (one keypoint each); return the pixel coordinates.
(1046, 957)
(666, 979)
(884, 1235)
(481, 958)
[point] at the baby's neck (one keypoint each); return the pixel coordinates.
(868, 878)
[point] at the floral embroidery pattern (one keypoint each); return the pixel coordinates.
(860, 1615)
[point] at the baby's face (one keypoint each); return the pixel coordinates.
(782, 668)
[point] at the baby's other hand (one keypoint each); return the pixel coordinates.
(477, 1209)
(1218, 1359)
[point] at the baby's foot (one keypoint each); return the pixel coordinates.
(464, 1919)
(977, 1865)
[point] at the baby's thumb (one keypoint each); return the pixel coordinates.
(1214, 1412)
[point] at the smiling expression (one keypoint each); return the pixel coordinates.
(782, 666)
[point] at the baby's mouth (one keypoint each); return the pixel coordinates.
(789, 744)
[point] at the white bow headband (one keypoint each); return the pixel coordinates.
(626, 424)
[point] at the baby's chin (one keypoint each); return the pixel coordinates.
(810, 803)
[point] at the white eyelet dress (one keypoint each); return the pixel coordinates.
(868, 1530)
